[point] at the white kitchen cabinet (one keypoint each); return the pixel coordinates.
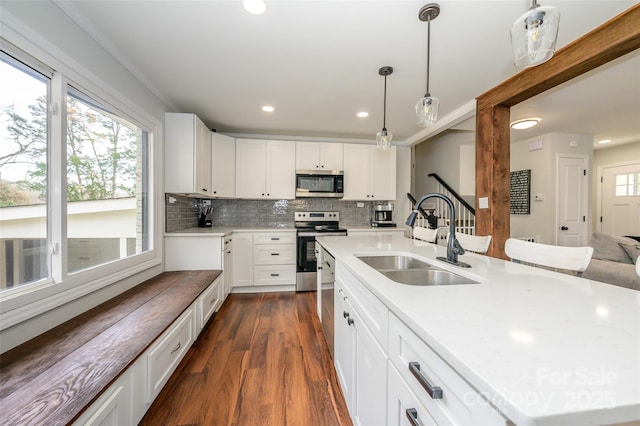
(265, 169)
(369, 173)
(274, 258)
(319, 156)
(242, 259)
(187, 153)
(223, 165)
(361, 363)
(402, 403)
(227, 264)
(195, 252)
(166, 353)
(208, 303)
(113, 407)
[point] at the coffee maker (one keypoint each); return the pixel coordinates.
(383, 215)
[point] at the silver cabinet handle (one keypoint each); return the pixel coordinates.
(412, 415)
(212, 301)
(174, 350)
(434, 392)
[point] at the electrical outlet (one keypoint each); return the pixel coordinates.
(359, 204)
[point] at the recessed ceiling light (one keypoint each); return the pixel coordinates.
(362, 114)
(254, 7)
(268, 108)
(605, 141)
(525, 123)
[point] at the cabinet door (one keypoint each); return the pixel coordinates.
(331, 155)
(402, 403)
(242, 259)
(370, 376)
(356, 172)
(343, 346)
(202, 158)
(227, 265)
(251, 168)
(223, 165)
(307, 156)
(281, 170)
(383, 174)
(192, 252)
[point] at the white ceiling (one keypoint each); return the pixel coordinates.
(317, 62)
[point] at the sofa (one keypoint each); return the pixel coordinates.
(613, 260)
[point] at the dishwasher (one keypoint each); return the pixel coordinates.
(326, 270)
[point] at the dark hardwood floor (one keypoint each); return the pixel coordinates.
(261, 361)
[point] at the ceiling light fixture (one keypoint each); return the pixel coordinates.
(383, 137)
(605, 141)
(254, 7)
(427, 107)
(533, 35)
(362, 114)
(525, 123)
(268, 108)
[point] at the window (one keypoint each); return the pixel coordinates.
(627, 185)
(104, 177)
(24, 95)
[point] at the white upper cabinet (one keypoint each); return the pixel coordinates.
(369, 173)
(223, 165)
(265, 169)
(187, 155)
(319, 156)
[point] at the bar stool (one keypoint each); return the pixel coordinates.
(425, 234)
(474, 243)
(569, 258)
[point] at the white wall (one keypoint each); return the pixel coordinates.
(42, 30)
(540, 224)
(442, 155)
(402, 206)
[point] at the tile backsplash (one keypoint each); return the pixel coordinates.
(183, 213)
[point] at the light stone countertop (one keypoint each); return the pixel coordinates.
(222, 231)
(545, 348)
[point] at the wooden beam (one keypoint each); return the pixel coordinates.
(613, 39)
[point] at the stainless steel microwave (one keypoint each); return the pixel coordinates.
(319, 183)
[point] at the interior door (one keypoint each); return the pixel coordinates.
(571, 204)
(620, 200)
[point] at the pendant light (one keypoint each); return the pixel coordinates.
(533, 35)
(427, 107)
(383, 137)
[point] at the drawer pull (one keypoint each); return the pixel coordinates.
(212, 301)
(412, 415)
(435, 392)
(176, 349)
(275, 275)
(345, 314)
(275, 254)
(350, 321)
(275, 238)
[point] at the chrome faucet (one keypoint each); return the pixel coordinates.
(453, 246)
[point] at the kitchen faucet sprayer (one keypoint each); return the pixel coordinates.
(453, 246)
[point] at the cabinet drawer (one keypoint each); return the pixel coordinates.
(113, 407)
(274, 275)
(369, 307)
(402, 403)
(208, 302)
(459, 402)
(165, 355)
(274, 254)
(274, 238)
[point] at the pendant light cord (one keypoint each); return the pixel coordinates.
(428, 52)
(384, 109)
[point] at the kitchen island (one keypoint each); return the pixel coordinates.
(538, 347)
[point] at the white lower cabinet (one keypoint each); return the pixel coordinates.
(403, 406)
(208, 303)
(195, 252)
(112, 408)
(360, 362)
(264, 259)
(166, 353)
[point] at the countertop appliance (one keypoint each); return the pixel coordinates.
(383, 215)
(308, 225)
(327, 271)
(319, 183)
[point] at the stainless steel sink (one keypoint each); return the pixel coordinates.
(394, 262)
(409, 270)
(426, 277)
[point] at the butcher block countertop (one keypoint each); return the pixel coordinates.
(54, 377)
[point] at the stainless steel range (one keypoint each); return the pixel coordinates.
(308, 226)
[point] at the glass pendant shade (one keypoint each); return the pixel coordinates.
(533, 36)
(383, 139)
(427, 111)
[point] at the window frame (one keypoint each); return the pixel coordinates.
(27, 301)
